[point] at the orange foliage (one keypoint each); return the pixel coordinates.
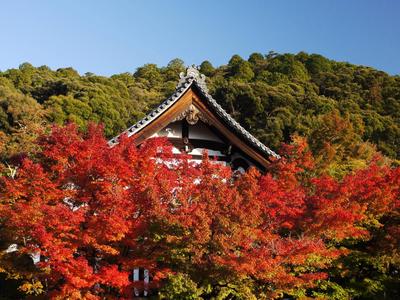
(94, 213)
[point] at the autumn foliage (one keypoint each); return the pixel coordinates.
(94, 213)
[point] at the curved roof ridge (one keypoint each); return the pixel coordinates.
(180, 89)
(238, 128)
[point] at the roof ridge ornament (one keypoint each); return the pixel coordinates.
(193, 73)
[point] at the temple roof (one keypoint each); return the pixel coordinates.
(194, 78)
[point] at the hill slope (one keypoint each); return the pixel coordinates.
(345, 110)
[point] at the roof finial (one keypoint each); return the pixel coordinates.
(192, 73)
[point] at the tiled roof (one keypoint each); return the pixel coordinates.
(193, 77)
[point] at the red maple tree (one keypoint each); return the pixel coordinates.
(94, 213)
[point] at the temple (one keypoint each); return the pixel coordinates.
(193, 122)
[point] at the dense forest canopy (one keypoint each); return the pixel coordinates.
(346, 111)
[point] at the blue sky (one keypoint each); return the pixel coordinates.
(108, 37)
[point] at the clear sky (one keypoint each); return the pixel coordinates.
(108, 37)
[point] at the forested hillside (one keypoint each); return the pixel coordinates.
(346, 111)
(349, 114)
